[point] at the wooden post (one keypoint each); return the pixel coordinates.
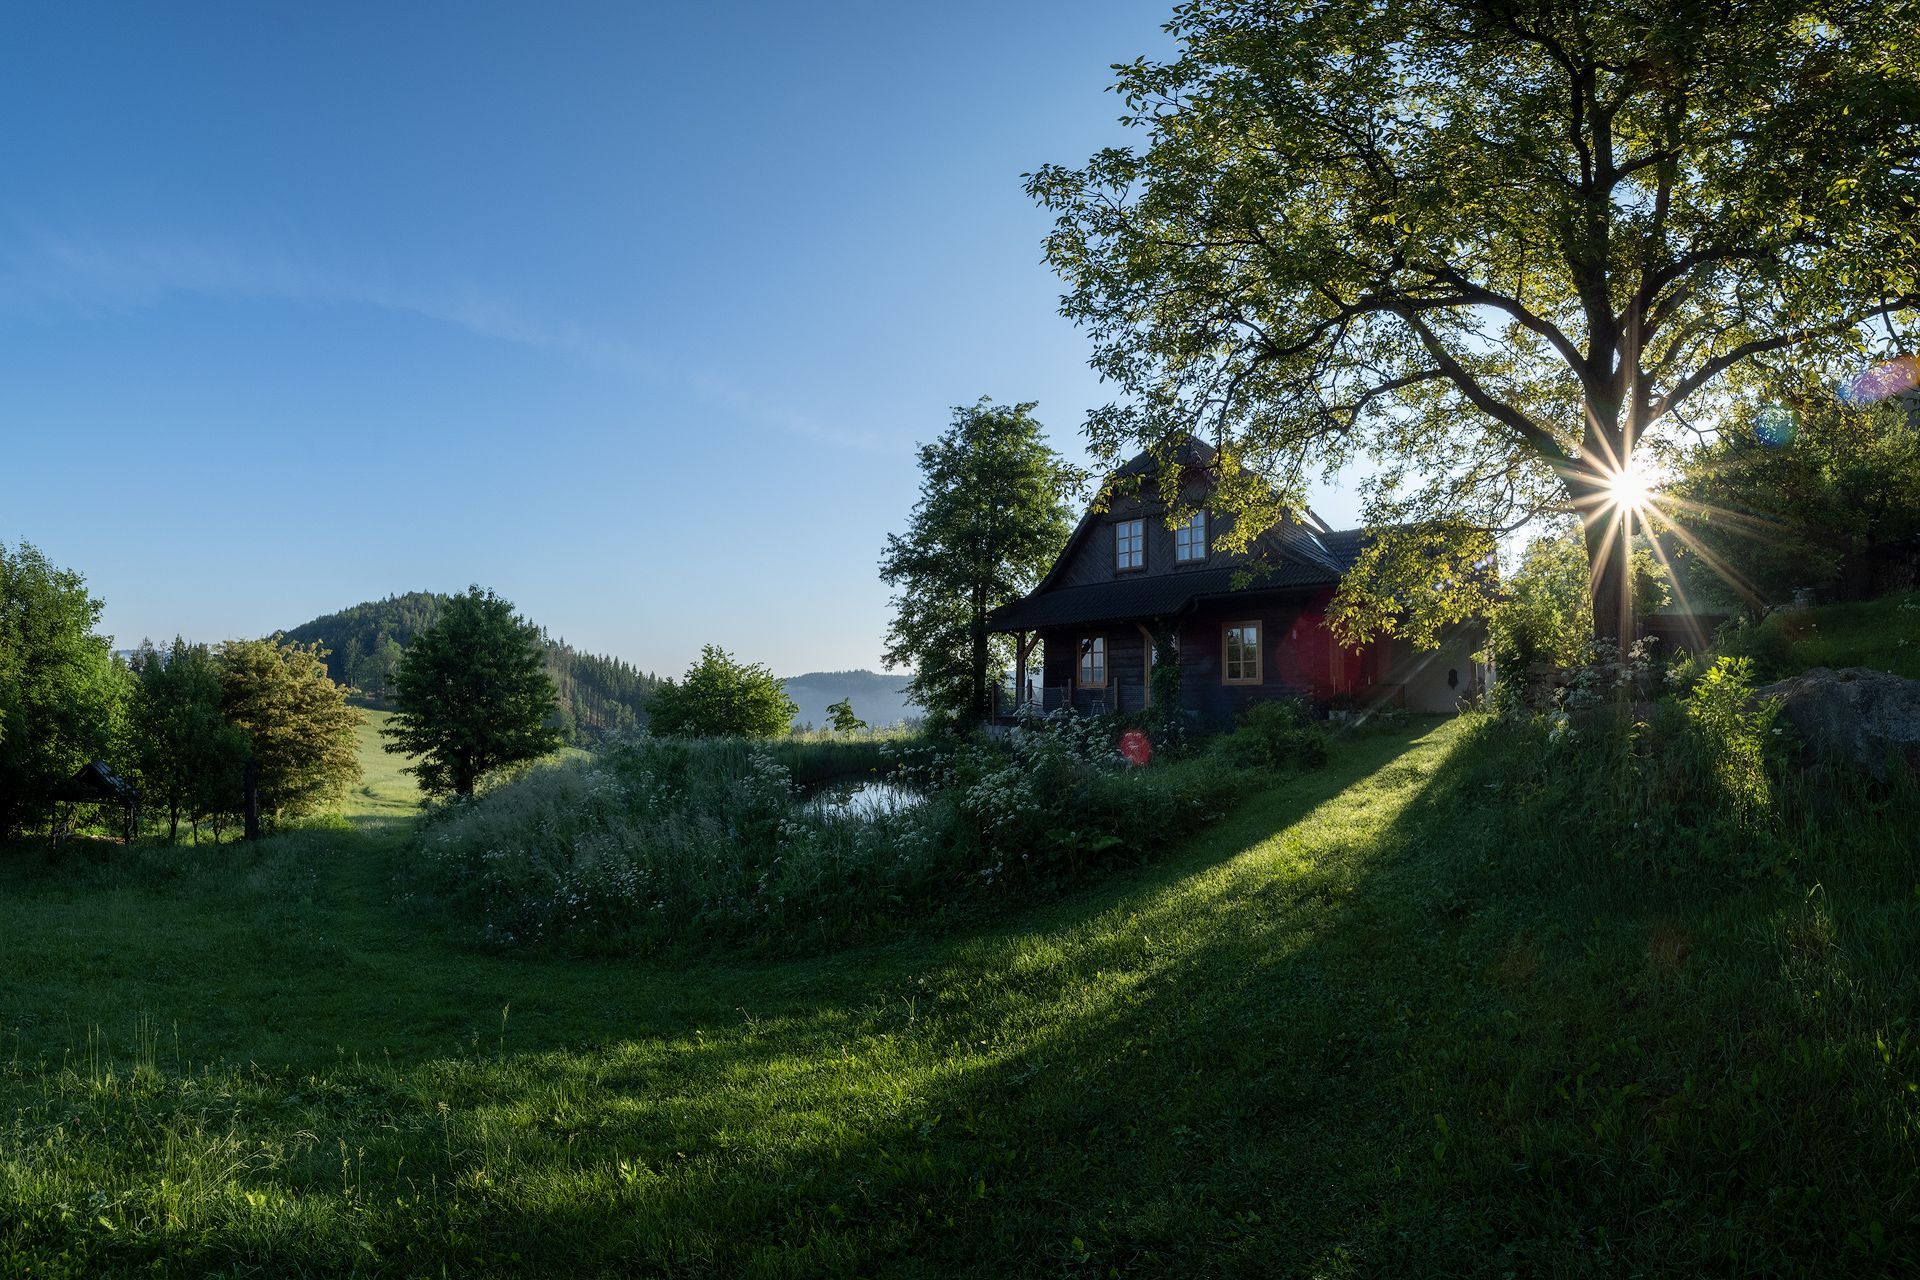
(1019, 667)
(253, 800)
(1146, 666)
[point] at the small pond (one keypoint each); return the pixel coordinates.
(863, 798)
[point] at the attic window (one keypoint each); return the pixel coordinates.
(1130, 544)
(1190, 538)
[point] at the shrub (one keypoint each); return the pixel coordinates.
(1280, 734)
(1734, 730)
(1689, 785)
(720, 697)
(657, 842)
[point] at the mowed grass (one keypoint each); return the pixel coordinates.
(384, 790)
(1357, 1028)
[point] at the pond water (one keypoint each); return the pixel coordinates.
(863, 798)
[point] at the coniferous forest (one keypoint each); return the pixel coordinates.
(597, 694)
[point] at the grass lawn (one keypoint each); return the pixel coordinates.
(1356, 1028)
(1883, 634)
(384, 791)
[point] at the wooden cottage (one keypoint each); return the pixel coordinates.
(1085, 635)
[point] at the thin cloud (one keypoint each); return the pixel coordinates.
(63, 277)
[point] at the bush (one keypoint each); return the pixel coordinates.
(720, 697)
(1281, 734)
(657, 842)
(1697, 783)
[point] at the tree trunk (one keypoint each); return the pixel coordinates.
(252, 812)
(982, 709)
(1607, 531)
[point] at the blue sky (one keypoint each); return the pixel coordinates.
(632, 313)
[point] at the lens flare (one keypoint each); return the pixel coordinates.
(1894, 377)
(1630, 488)
(1775, 427)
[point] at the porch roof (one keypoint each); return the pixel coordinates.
(1158, 596)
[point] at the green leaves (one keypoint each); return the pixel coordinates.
(992, 515)
(61, 693)
(298, 726)
(721, 697)
(474, 695)
(1487, 248)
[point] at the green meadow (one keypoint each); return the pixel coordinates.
(1379, 1020)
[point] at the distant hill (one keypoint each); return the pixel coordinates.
(876, 698)
(364, 644)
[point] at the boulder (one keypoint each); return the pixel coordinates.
(1856, 715)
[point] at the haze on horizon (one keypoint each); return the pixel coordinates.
(633, 316)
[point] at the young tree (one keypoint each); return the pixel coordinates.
(720, 697)
(1545, 611)
(473, 695)
(299, 728)
(61, 696)
(1493, 245)
(188, 758)
(840, 717)
(993, 512)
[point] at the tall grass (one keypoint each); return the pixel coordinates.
(657, 842)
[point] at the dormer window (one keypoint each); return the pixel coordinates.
(1190, 538)
(1130, 544)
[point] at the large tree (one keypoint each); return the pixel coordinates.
(992, 514)
(299, 728)
(1492, 246)
(60, 694)
(473, 695)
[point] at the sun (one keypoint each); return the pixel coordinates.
(1630, 488)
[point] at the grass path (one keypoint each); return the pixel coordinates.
(1322, 1041)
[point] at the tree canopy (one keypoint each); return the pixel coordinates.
(1800, 491)
(722, 697)
(61, 696)
(1493, 246)
(992, 514)
(298, 725)
(474, 695)
(189, 759)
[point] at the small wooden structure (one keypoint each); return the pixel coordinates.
(97, 784)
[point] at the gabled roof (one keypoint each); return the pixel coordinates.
(1290, 556)
(95, 781)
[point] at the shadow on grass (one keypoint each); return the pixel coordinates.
(979, 1104)
(1379, 1021)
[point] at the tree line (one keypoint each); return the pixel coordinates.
(186, 724)
(198, 728)
(596, 694)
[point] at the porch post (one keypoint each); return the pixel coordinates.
(1146, 666)
(1020, 650)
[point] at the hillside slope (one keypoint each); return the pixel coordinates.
(364, 644)
(877, 698)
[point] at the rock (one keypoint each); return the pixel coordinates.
(1857, 715)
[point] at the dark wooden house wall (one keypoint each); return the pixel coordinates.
(1092, 558)
(1300, 658)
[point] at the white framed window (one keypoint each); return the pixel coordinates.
(1130, 544)
(1190, 538)
(1093, 663)
(1240, 653)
